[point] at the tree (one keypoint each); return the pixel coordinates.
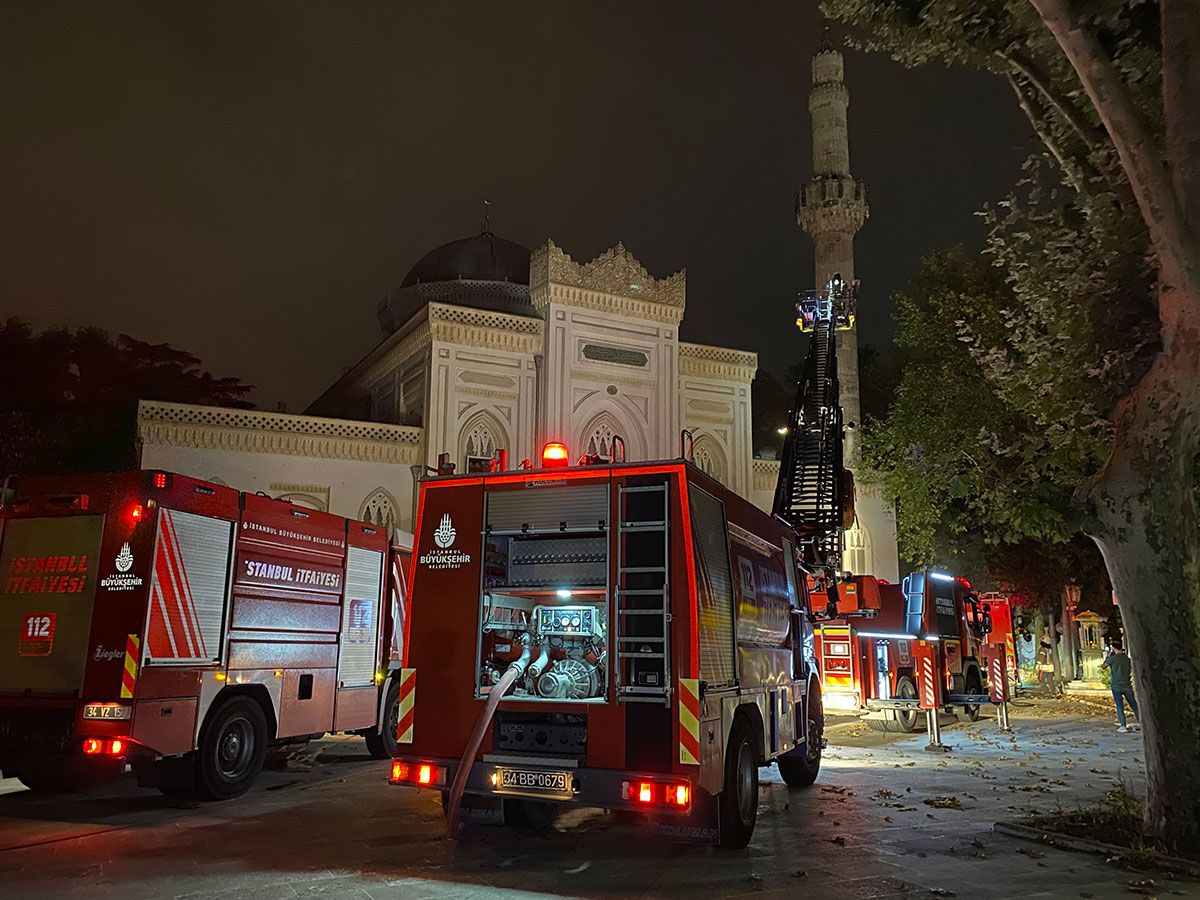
(69, 398)
(1113, 94)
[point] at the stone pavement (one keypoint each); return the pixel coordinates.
(337, 829)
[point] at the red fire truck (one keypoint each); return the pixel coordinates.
(646, 627)
(182, 627)
(868, 653)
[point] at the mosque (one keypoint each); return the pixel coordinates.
(489, 345)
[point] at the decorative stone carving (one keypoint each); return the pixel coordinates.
(615, 271)
(703, 361)
(255, 431)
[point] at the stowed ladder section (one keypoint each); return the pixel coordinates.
(643, 599)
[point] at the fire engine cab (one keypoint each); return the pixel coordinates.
(869, 652)
(639, 631)
(182, 627)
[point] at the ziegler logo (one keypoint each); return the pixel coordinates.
(444, 557)
(445, 533)
(102, 654)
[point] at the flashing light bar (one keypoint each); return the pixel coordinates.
(900, 636)
(941, 576)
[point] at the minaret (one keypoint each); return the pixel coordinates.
(831, 208)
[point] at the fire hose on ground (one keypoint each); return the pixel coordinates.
(515, 670)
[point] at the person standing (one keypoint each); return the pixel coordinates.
(1121, 680)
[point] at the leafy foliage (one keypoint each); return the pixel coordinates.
(68, 399)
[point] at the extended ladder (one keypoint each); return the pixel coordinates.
(642, 642)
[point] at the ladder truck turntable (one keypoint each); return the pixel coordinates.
(180, 627)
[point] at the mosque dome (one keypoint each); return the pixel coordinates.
(483, 271)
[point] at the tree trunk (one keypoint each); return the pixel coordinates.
(1145, 523)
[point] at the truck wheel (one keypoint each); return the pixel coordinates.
(801, 771)
(906, 719)
(974, 686)
(530, 815)
(880, 724)
(382, 744)
(233, 745)
(737, 805)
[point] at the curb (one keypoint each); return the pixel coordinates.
(1085, 845)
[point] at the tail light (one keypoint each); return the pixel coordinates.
(420, 774)
(108, 747)
(673, 795)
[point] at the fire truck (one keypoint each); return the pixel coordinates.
(869, 652)
(182, 628)
(631, 636)
(640, 632)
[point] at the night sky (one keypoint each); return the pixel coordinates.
(246, 180)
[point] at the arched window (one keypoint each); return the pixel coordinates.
(709, 457)
(854, 557)
(481, 437)
(308, 501)
(380, 509)
(597, 437)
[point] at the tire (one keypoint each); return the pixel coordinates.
(802, 771)
(974, 686)
(906, 720)
(233, 745)
(382, 744)
(879, 724)
(530, 815)
(737, 804)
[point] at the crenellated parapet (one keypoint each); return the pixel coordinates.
(614, 280)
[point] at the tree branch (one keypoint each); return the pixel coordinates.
(1071, 167)
(1092, 136)
(1140, 155)
(1181, 100)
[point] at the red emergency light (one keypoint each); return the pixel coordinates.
(135, 513)
(159, 481)
(554, 456)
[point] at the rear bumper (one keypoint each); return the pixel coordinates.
(483, 801)
(28, 730)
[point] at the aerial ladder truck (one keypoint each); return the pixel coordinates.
(925, 647)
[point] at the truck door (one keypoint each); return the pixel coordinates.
(189, 589)
(48, 570)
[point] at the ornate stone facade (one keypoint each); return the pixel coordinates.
(585, 352)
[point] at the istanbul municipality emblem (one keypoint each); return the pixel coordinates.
(445, 533)
(125, 558)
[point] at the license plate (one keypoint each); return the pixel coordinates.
(529, 780)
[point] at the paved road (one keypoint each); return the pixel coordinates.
(330, 825)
